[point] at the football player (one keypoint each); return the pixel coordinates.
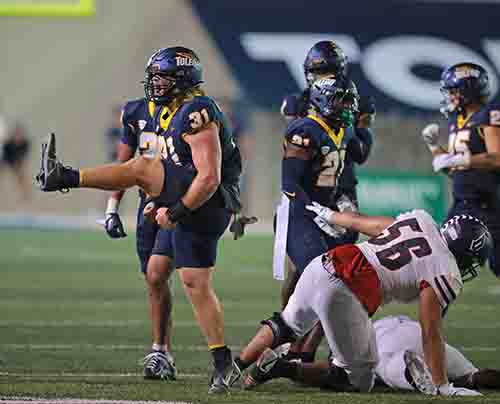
(407, 259)
(190, 167)
(327, 59)
(153, 245)
(398, 341)
(398, 334)
(472, 157)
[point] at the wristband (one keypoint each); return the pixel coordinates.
(178, 211)
(112, 206)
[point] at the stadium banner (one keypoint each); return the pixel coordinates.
(396, 48)
(389, 193)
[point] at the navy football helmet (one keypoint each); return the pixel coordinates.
(469, 241)
(467, 81)
(335, 99)
(325, 57)
(179, 67)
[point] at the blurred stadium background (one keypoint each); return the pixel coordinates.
(66, 64)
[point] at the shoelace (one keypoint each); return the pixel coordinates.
(153, 360)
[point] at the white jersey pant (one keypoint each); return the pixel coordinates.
(395, 335)
(319, 295)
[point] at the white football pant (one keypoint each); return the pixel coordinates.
(319, 295)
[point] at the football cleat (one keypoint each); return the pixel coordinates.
(51, 175)
(418, 374)
(220, 382)
(262, 371)
(159, 366)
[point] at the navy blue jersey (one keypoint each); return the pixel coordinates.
(138, 116)
(466, 135)
(358, 148)
(327, 149)
(188, 119)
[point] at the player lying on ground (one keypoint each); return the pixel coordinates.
(406, 259)
(398, 338)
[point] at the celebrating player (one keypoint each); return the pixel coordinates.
(193, 177)
(406, 259)
(472, 157)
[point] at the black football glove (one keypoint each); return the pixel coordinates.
(238, 225)
(367, 105)
(114, 226)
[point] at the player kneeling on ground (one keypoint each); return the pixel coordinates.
(406, 259)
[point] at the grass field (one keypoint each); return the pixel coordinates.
(73, 322)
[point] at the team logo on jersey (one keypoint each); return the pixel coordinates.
(141, 123)
(185, 59)
(478, 243)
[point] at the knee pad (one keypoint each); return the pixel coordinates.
(281, 331)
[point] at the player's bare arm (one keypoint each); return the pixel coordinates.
(207, 158)
(491, 159)
(430, 314)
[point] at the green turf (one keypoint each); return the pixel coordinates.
(73, 321)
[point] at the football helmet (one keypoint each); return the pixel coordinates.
(335, 99)
(170, 72)
(325, 57)
(463, 84)
(469, 241)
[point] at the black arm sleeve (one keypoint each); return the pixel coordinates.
(360, 145)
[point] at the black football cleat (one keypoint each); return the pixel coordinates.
(51, 176)
(159, 366)
(221, 381)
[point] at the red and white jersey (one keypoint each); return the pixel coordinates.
(411, 255)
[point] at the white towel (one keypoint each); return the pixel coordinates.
(279, 255)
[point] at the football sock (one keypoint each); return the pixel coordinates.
(241, 365)
(159, 348)
(70, 178)
(286, 369)
(221, 355)
(307, 357)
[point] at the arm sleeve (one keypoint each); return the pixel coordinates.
(292, 174)
(129, 136)
(360, 145)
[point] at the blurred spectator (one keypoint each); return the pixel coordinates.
(239, 111)
(114, 132)
(15, 146)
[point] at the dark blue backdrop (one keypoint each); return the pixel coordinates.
(396, 48)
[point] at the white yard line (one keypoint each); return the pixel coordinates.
(37, 400)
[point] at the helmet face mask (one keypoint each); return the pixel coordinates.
(461, 85)
(469, 241)
(335, 100)
(171, 72)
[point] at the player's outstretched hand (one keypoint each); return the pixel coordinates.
(238, 225)
(323, 220)
(114, 226)
(451, 391)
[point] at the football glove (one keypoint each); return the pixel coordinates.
(238, 225)
(450, 390)
(459, 161)
(113, 224)
(430, 134)
(323, 215)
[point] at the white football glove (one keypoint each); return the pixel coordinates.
(344, 204)
(451, 391)
(430, 134)
(459, 161)
(323, 215)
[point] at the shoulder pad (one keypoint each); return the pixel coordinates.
(133, 110)
(489, 115)
(198, 113)
(302, 132)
